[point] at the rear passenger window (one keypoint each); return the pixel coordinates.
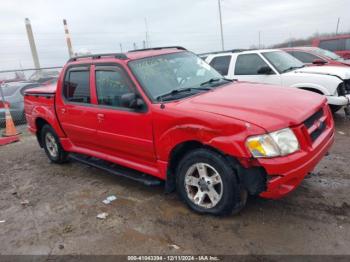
(249, 64)
(347, 44)
(333, 45)
(221, 64)
(77, 86)
(304, 57)
(111, 84)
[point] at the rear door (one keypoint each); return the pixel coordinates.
(247, 68)
(122, 132)
(75, 110)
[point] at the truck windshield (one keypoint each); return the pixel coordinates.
(164, 74)
(328, 54)
(282, 61)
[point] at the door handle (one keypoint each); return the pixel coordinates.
(100, 117)
(63, 110)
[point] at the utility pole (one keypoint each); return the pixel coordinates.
(259, 39)
(135, 47)
(32, 43)
(221, 29)
(336, 31)
(147, 35)
(121, 47)
(69, 42)
(144, 44)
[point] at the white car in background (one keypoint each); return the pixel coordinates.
(277, 67)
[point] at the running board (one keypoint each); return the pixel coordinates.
(117, 170)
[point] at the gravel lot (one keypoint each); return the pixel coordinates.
(51, 209)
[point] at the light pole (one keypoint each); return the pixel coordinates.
(336, 31)
(221, 29)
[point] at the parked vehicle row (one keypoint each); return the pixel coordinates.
(13, 92)
(163, 114)
(316, 56)
(340, 44)
(276, 67)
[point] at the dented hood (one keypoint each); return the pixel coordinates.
(267, 106)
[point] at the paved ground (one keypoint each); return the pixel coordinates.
(60, 217)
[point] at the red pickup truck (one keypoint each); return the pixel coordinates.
(163, 114)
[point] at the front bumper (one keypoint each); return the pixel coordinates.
(339, 100)
(284, 174)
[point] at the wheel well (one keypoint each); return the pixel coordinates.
(312, 90)
(40, 123)
(180, 150)
(253, 178)
(176, 155)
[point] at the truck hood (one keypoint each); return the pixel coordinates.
(266, 106)
(341, 72)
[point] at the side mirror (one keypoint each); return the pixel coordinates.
(319, 62)
(131, 100)
(265, 70)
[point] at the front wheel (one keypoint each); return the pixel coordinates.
(52, 145)
(207, 183)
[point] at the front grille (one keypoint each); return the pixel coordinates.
(316, 124)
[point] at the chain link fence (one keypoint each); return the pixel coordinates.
(13, 83)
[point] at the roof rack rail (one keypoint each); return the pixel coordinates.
(98, 56)
(226, 51)
(158, 48)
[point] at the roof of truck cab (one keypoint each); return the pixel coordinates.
(254, 51)
(149, 53)
(128, 56)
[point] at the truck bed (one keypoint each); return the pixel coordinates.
(42, 90)
(40, 101)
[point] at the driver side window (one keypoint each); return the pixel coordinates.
(111, 84)
(249, 64)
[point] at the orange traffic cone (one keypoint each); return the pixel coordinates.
(10, 135)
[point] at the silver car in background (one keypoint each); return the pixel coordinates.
(13, 94)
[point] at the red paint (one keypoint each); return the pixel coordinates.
(222, 118)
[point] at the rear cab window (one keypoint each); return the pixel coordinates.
(333, 44)
(221, 64)
(76, 86)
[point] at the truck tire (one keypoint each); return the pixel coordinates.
(207, 183)
(52, 145)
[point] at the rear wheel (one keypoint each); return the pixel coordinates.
(52, 146)
(207, 183)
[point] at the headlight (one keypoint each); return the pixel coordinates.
(280, 143)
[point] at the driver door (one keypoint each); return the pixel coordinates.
(249, 68)
(122, 132)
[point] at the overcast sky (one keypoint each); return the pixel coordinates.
(100, 26)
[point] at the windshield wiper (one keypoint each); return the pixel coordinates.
(292, 68)
(181, 90)
(211, 80)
